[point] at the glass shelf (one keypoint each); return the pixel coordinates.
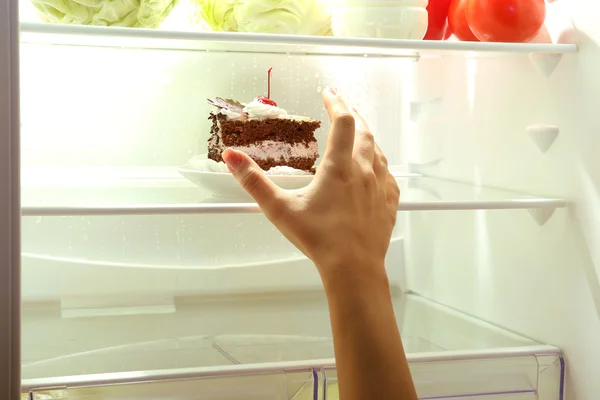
(265, 43)
(162, 191)
(233, 335)
(269, 348)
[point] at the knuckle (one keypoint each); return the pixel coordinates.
(369, 176)
(334, 171)
(383, 165)
(250, 180)
(396, 191)
(383, 161)
(346, 120)
(364, 151)
(394, 215)
(396, 187)
(392, 190)
(368, 136)
(342, 175)
(276, 212)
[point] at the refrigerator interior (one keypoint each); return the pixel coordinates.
(136, 282)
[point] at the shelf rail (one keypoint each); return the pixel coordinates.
(253, 208)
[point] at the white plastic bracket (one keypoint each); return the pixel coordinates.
(422, 168)
(422, 110)
(81, 307)
(545, 63)
(541, 215)
(543, 135)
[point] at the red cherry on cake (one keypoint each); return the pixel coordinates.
(266, 100)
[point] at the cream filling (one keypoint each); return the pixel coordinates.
(269, 149)
(202, 163)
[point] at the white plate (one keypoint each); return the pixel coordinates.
(223, 184)
(215, 178)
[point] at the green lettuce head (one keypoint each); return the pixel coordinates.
(301, 17)
(127, 13)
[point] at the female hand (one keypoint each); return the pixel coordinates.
(343, 220)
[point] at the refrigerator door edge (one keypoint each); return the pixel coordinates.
(10, 208)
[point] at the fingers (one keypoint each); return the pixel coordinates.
(364, 143)
(249, 175)
(367, 151)
(341, 136)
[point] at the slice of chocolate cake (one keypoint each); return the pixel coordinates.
(265, 132)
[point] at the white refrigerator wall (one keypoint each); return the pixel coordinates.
(539, 280)
(112, 107)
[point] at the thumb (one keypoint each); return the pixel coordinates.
(252, 178)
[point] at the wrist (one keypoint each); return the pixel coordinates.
(363, 297)
(354, 277)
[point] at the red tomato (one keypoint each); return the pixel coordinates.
(506, 20)
(437, 11)
(458, 21)
(543, 36)
(448, 33)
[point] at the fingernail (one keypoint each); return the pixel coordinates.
(331, 90)
(233, 159)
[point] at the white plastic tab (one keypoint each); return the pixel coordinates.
(543, 136)
(541, 215)
(545, 63)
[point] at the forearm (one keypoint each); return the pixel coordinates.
(370, 359)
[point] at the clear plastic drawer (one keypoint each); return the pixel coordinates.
(298, 385)
(492, 377)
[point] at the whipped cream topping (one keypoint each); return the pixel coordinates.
(205, 164)
(231, 114)
(256, 109)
